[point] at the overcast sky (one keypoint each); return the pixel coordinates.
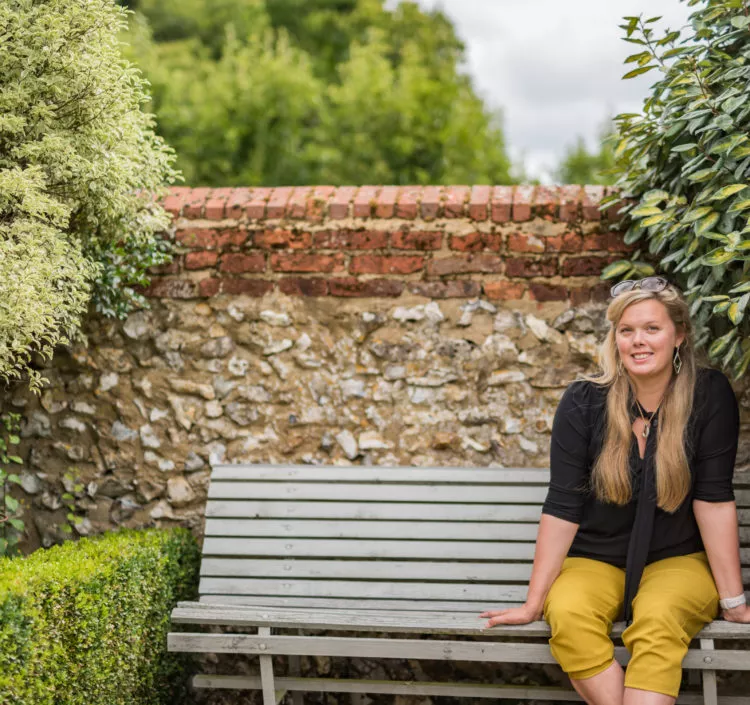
(553, 67)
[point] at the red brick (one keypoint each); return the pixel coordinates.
(610, 241)
(215, 205)
(297, 204)
(317, 204)
(530, 267)
(256, 209)
(546, 199)
(473, 242)
(417, 240)
(465, 264)
(592, 195)
(408, 202)
(351, 239)
(567, 242)
(479, 202)
(540, 291)
(171, 288)
(195, 202)
(585, 266)
(612, 214)
(584, 294)
(504, 290)
(386, 202)
(378, 264)
(209, 286)
(455, 201)
(430, 205)
(200, 260)
(276, 206)
(172, 267)
(523, 197)
(175, 199)
(307, 262)
(237, 202)
(249, 287)
(520, 242)
(570, 199)
(455, 289)
(339, 206)
(354, 286)
(501, 204)
(231, 238)
(303, 286)
(237, 263)
(364, 201)
(282, 240)
(197, 239)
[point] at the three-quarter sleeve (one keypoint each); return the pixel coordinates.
(716, 448)
(569, 471)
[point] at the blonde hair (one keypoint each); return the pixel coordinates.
(611, 473)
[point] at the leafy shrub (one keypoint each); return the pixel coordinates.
(685, 162)
(86, 622)
(77, 156)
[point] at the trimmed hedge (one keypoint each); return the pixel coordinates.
(85, 623)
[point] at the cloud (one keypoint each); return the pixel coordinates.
(554, 68)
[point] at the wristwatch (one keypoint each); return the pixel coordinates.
(729, 602)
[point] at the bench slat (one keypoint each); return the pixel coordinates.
(335, 473)
(370, 570)
(376, 492)
(362, 589)
(345, 548)
(437, 622)
(373, 511)
(493, 652)
(427, 606)
(475, 531)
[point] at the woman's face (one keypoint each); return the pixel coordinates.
(646, 338)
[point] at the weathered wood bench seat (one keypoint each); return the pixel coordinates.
(407, 552)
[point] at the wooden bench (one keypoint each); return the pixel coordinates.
(414, 553)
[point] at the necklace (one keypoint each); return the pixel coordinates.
(647, 424)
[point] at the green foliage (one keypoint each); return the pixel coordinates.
(85, 623)
(579, 166)
(685, 160)
(76, 156)
(12, 526)
(252, 92)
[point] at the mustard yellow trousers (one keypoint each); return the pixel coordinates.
(676, 598)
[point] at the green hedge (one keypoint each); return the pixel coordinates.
(86, 622)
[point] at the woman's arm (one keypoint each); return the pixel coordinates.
(718, 525)
(552, 545)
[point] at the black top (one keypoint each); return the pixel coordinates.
(605, 529)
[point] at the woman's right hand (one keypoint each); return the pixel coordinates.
(515, 615)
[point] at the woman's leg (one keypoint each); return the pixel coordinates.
(676, 598)
(580, 608)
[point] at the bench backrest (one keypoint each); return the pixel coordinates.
(459, 539)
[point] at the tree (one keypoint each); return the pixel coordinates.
(579, 166)
(684, 162)
(77, 158)
(316, 92)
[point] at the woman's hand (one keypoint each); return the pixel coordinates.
(515, 615)
(738, 614)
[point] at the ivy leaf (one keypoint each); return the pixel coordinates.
(696, 214)
(646, 210)
(616, 269)
(720, 344)
(11, 503)
(717, 257)
(707, 223)
(638, 71)
(701, 175)
(17, 524)
(727, 191)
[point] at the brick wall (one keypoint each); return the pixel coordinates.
(532, 243)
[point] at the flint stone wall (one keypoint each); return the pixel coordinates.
(434, 326)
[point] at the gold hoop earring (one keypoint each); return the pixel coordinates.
(677, 361)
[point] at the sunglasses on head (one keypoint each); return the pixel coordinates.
(647, 284)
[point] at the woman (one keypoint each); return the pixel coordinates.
(640, 514)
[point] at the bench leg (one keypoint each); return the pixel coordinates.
(266, 673)
(295, 670)
(710, 695)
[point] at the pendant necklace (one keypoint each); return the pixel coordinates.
(647, 424)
